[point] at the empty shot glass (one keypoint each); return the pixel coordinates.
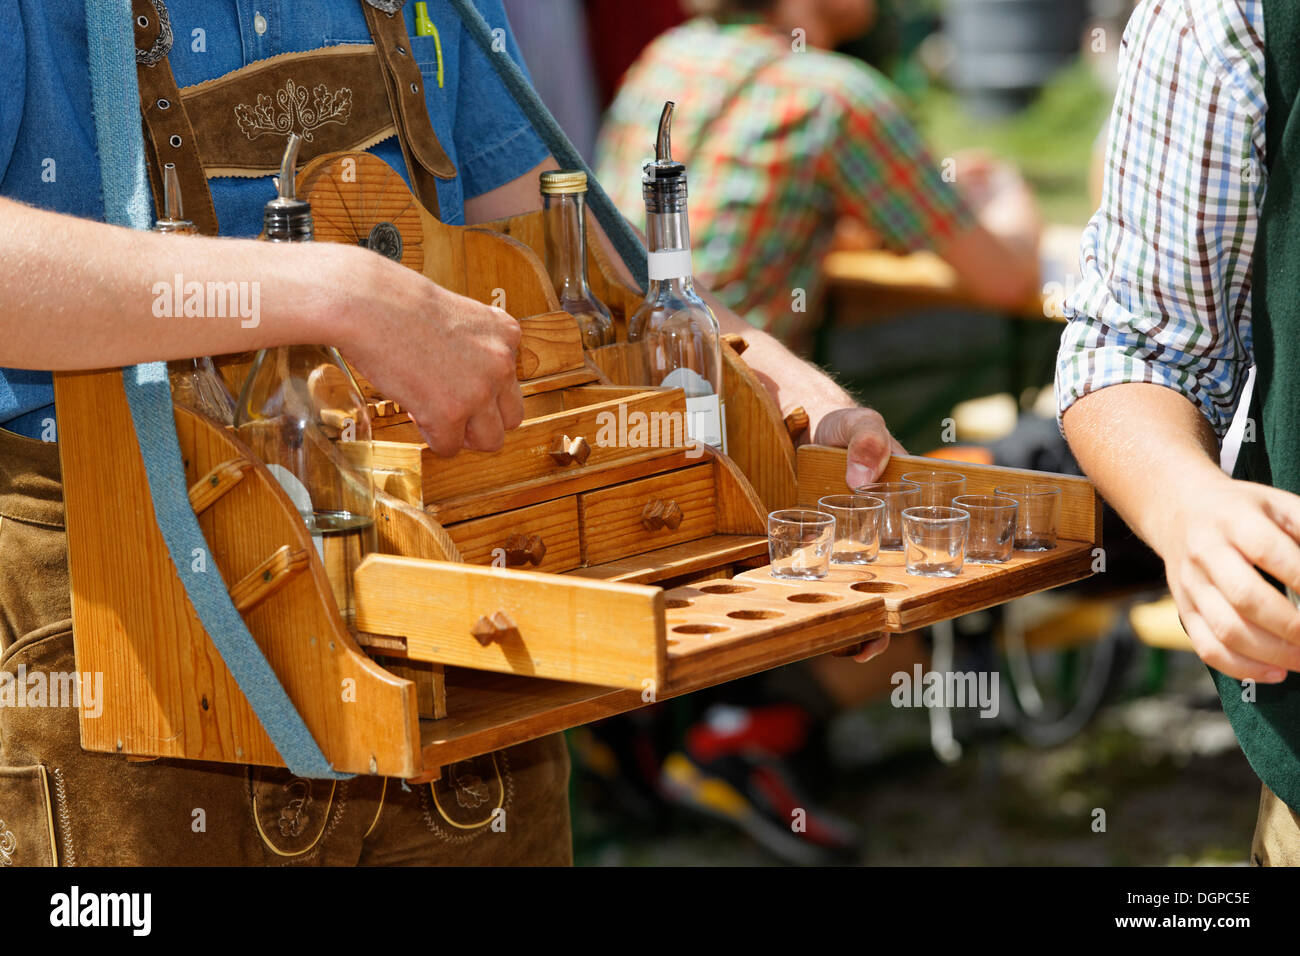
(857, 527)
(799, 543)
(992, 534)
(938, 488)
(935, 540)
(1039, 512)
(896, 495)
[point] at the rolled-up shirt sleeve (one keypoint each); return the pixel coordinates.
(1165, 290)
(496, 140)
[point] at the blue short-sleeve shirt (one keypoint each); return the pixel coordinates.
(47, 131)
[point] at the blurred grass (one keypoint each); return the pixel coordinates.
(1051, 141)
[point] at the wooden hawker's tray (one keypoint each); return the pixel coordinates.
(596, 563)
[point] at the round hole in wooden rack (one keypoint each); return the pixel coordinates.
(676, 602)
(698, 629)
(726, 588)
(754, 614)
(876, 587)
(813, 597)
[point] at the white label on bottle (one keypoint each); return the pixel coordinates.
(688, 380)
(706, 421)
(669, 264)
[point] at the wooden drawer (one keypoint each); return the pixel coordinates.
(553, 523)
(530, 452)
(616, 522)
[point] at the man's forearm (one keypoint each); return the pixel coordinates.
(77, 294)
(1141, 444)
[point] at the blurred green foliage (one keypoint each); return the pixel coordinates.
(1052, 141)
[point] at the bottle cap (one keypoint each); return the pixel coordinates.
(173, 221)
(287, 218)
(560, 182)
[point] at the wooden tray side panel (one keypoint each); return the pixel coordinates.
(757, 439)
(167, 692)
(366, 715)
(504, 272)
(821, 472)
(132, 622)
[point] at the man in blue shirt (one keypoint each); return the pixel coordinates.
(75, 294)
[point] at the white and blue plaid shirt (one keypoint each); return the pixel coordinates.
(1166, 260)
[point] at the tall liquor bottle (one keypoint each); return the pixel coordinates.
(301, 412)
(196, 383)
(564, 193)
(678, 332)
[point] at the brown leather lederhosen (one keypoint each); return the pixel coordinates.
(61, 804)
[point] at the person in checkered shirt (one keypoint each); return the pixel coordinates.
(1191, 284)
(783, 138)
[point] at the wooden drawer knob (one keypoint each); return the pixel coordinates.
(498, 627)
(796, 423)
(658, 513)
(565, 450)
(525, 549)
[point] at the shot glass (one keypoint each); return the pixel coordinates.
(799, 543)
(935, 540)
(896, 495)
(992, 533)
(1039, 512)
(938, 488)
(857, 527)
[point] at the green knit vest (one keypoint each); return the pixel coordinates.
(1269, 727)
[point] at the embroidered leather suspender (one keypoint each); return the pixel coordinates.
(169, 137)
(424, 155)
(337, 98)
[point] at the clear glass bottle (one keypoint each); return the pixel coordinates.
(564, 193)
(678, 332)
(196, 383)
(302, 414)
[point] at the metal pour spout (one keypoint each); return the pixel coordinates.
(288, 167)
(287, 218)
(663, 142)
(172, 205)
(173, 221)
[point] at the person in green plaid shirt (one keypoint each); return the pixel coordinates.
(782, 139)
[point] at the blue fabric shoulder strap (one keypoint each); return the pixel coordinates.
(116, 99)
(625, 240)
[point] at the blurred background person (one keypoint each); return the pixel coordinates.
(566, 81)
(783, 139)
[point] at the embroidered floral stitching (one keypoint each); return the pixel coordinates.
(427, 803)
(65, 818)
(289, 111)
(8, 843)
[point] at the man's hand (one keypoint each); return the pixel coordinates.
(448, 359)
(1216, 535)
(863, 432)
(873, 646)
(1154, 457)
